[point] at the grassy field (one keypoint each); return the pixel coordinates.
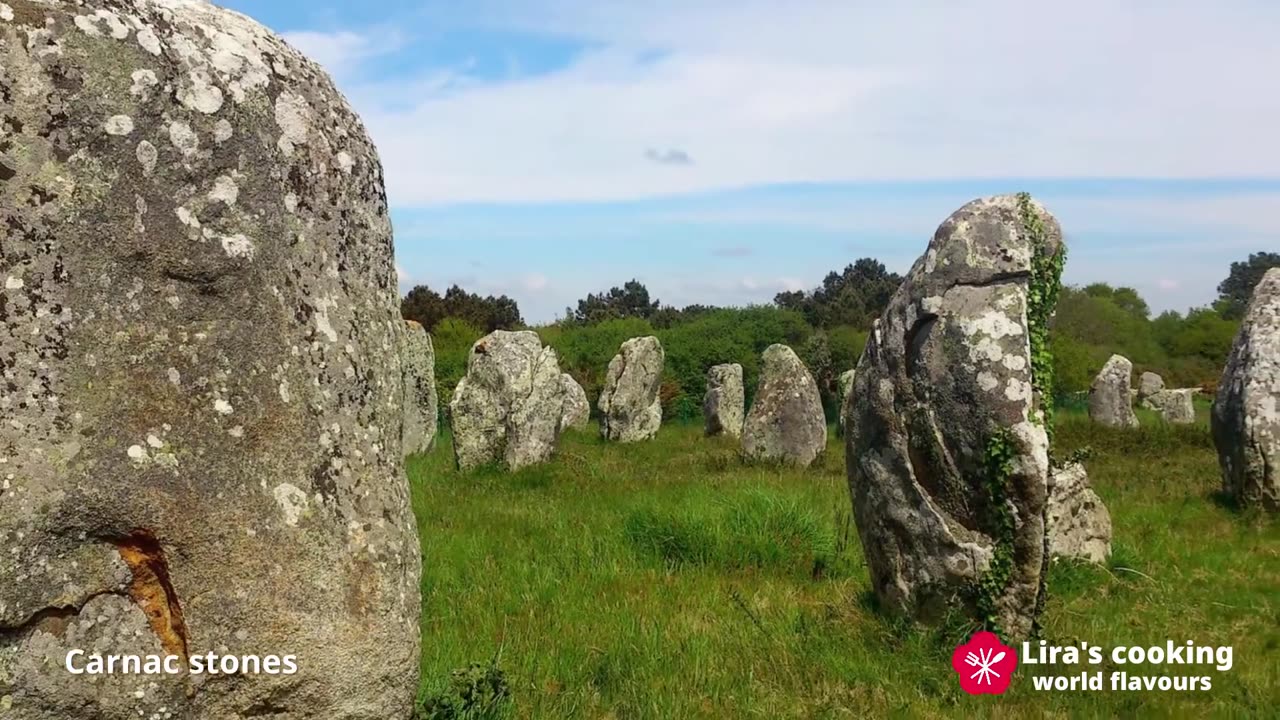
(670, 580)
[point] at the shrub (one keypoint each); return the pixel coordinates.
(476, 692)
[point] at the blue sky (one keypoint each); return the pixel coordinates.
(724, 150)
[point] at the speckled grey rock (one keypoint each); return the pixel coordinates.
(1246, 412)
(724, 405)
(421, 403)
(508, 408)
(1175, 406)
(1149, 384)
(845, 386)
(1077, 521)
(577, 409)
(201, 403)
(630, 409)
(944, 380)
(1111, 397)
(786, 423)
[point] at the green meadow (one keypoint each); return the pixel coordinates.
(670, 579)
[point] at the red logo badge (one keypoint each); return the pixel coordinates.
(985, 666)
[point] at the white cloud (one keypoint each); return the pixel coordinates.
(828, 90)
(341, 52)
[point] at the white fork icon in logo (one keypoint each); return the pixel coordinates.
(984, 662)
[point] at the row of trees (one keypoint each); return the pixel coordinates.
(828, 327)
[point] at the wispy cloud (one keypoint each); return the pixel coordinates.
(827, 91)
(668, 157)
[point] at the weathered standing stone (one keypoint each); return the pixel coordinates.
(845, 386)
(1149, 384)
(630, 408)
(577, 410)
(1110, 399)
(508, 408)
(1246, 413)
(946, 445)
(1077, 521)
(724, 404)
(1175, 406)
(421, 404)
(201, 404)
(786, 422)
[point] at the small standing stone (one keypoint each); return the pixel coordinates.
(1110, 399)
(630, 408)
(845, 386)
(577, 410)
(1149, 384)
(786, 422)
(1175, 406)
(421, 405)
(1246, 413)
(1077, 521)
(508, 408)
(724, 405)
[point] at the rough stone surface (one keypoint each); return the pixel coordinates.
(1175, 406)
(845, 387)
(1246, 413)
(577, 410)
(508, 408)
(946, 377)
(1149, 384)
(1110, 396)
(786, 422)
(724, 405)
(630, 408)
(421, 404)
(201, 402)
(1077, 521)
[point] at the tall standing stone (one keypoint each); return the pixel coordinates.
(630, 408)
(577, 409)
(508, 408)
(1110, 396)
(201, 404)
(946, 440)
(786, 423)
(724, 405)
(1246, 413)
(421, 404)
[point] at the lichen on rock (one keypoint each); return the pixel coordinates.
(947, 440)
(180, 346)
(1246, 412)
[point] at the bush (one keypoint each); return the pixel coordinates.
(476, 692)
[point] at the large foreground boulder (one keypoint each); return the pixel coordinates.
(1076, 520)
(577, 409)
(630, 408)
(786, 423)
(946, 444)
(1246, 413)
(1111, 396)
(723, 406)
(508, 408)
(421, 404)
(1175, 406)
(201, 403)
